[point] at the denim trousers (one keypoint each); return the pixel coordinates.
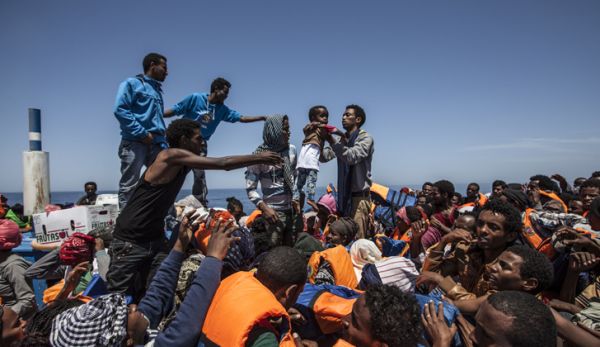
(134, 155)
(133, 265)
(199, 189)
(306, 182)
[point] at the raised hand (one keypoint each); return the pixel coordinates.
(435, 325)
(221, 238)
(582, 261)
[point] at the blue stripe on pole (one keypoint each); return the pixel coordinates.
(35, 126)
(35, 120)
(35, 145)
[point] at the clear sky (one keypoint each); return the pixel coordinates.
(464, 90)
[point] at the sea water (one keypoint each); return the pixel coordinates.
(216, 197)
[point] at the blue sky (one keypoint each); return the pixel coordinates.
(464, 90)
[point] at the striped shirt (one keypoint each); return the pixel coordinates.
(274, 192)
(399, 272)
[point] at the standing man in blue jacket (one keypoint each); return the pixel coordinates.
(139, 109)
(208, 110)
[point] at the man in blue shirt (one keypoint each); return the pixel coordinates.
(139, 110)
(208, 110)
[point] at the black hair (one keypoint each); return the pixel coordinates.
(314, 111)
(358, 112)
(347, 227)
(499, 183)
(532, 321)
(596, 174)
(591, 183)
(152, 58)
(459, 196)
(535, 265)
(566, 197)
(39, 326)
(90, 183)
(428, 209)
(516, 186)
(281, 267)
(395, 315)
(595, 207)
(17, 209)
(469, 214)
(413, 213)
(445, 187)
(262, 239)
(545, 183)
(232, 203)
(474, 184)
(512, 217)
(426, 184)
(219, 83)
(179, 128)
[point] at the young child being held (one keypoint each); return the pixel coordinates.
(312, 145)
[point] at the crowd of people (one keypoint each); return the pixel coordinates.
(515, 267)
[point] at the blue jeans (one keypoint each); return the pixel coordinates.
(133, 156)
(130, 261)
(199, 189)
(307, 177)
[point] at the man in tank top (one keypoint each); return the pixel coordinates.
(139, 244)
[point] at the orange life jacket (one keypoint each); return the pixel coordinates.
(342, 343)
(51, 293)
(252, 217)
(327, 305)
(380, 190)
(534, 240)
(553, 196)
(407, 236)
(241, 303)
(203, 233)
(341, 265)
(482, 200)
(329, 310)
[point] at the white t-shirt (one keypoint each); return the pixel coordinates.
(309, 157)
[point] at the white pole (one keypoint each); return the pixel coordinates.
(36, 169)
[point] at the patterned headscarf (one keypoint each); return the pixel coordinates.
(275, 141)
(240, 254)
(78, 248)
(187, 274)
(101, 322)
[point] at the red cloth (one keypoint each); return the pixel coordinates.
(432, 235)
(10, 237)
(76, 249)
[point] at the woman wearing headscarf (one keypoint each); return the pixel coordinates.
(280, 198)
(334, 265)
(16, 292)
(363, 252)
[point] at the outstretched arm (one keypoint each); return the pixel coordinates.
(251, 119)
(186, 158)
